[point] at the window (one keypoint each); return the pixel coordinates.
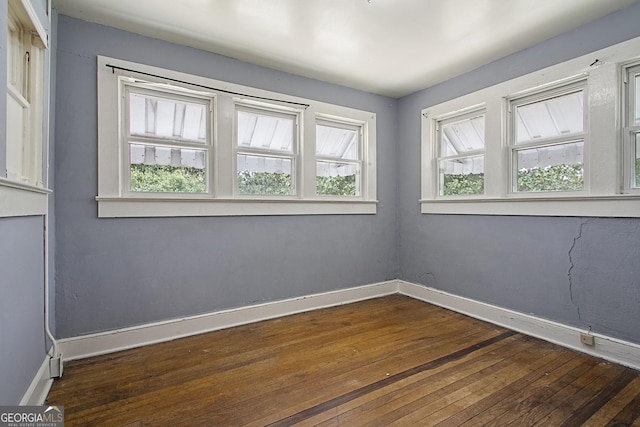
(631, 131)
(461, 154)
(547, 140)
(266, 146)
(174, 144)
(338, 158)
(553, 142)
(25, 97)
(166, 140)
(22, 184)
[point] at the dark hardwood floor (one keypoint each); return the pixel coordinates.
(387, 361)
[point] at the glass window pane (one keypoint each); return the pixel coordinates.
(337, 179)
(336, 141)
(264, 131)
(462, 136)
(551, 168)
(553, 117)
(166, 118)
(167, 170)
(263, 175)
(462, 176)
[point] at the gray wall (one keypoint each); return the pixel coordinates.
(113, 273)
(578, 271)
(22, 347)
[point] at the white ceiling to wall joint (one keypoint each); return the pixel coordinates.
(388, 47)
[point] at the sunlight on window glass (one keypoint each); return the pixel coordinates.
(553, 117)
(462, 136)
(336, 141)
(167, 118)
(265, 131)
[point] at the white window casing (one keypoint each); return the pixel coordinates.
(631, 129)
(22, 186)
(608, 154)
(223, 151)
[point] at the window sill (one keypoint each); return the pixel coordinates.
(120, 207)
(19, 199)
(623, 205)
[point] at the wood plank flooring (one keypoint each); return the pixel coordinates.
(391, 361)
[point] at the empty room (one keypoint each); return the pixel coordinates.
(320, 212)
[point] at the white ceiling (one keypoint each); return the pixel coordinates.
(389, 47)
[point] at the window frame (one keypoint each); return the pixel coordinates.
(342, 123)
(439, 123)
(128, 86)
(293, 155)
(630, 128)
(222, 199)
(604, 194)
(565, 87)
(27, 195)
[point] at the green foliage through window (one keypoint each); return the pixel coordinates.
(551, 178)
(167, 179)
(264, 183)
(463, 184)
(336, 185)
(638, 172)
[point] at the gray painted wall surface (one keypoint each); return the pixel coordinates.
(113, 273)
(22, 347)
(578, 271)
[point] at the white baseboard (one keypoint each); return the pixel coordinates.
(39, 388)
(137, 336)
(615, 350)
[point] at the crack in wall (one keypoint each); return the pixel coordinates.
(572, 265)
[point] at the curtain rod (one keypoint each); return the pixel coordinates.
(115, 67)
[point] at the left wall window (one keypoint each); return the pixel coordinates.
(23, 179)
(25, 97)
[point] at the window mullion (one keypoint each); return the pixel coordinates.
(307, 154)
(224, 170)
(603, 149)
(495, 161)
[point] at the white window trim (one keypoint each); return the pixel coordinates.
(629, 129)
(114, 202)
(604, 194)
(19, 198)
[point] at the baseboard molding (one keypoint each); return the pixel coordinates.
(39, 388)
(137, 336)
(614, 350)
